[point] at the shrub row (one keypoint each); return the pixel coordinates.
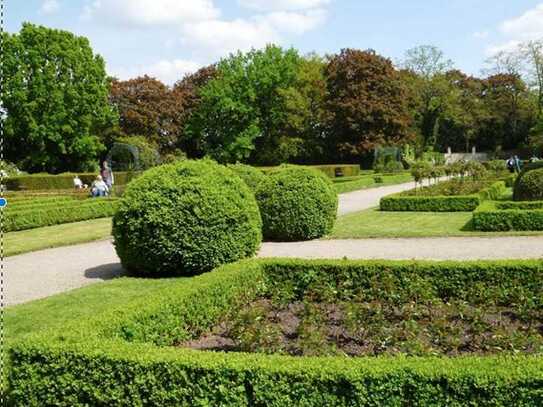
(441, 203)
(28, 218)
(348, 170)
(397, 202)
(116, 358)
(519, 205)
(60, 181)
(489, 218)
(369, 181)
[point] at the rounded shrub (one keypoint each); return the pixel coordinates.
(296, 203)
(250, 175)
(185, 218)
(529, 186)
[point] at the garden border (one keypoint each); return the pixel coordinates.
(111, 359)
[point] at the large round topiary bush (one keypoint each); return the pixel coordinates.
(529, 186)
(185, 218)
(296, 203)
(250, 175)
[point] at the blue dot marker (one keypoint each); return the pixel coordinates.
(3, 202)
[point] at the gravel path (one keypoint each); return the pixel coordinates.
(43, 273)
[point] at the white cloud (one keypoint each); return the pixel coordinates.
(481, 35)
(49, 6)
(506, 47)
(297, 23)
(218, 38)
(528, 26)
(151, 12)
(282, 5)
(167, 71)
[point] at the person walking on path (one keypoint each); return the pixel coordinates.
(107, 175)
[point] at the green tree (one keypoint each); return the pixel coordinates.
(367, 103)
(305, 132)
(55, 100)
(241, 114)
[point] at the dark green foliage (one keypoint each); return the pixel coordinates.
(113, 358)
(529, 186)
(296, 203)
(252, 176)
(60, 181)
(185, 218)
(19, 217)
(490, 218)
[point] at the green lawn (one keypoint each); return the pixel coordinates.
(57, 310)
(374, 223)
(58, 235)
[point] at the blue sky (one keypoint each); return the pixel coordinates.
(168, 38)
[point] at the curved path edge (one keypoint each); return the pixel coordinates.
(43, 273)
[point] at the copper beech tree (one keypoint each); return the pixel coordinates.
(366, 102)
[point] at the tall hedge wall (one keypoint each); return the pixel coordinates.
(113, 358)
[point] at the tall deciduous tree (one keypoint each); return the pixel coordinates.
(187, 91)
(241, 114)
(367, 102)
(54, 101)
(305, 132)
(148, 108)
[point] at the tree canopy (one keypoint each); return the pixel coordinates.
(55, 100)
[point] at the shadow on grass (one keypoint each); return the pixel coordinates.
(468, 227)
(105, 271)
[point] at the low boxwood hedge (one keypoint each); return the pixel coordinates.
(120, 358)
(252, 176)
(61, 181)
(490, 218)
(28, 217)
(347, 170)
(399, 202)
(441, 203)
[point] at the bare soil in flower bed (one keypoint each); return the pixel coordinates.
(372, 328)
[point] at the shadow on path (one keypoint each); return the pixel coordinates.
(105, 271)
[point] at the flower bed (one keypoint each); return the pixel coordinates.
(125, 355)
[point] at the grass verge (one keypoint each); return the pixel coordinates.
(54, 236)
(373, 223)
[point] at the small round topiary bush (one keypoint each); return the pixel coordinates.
(529, 186)
(249, 174)
(185, 218)
(296, 203)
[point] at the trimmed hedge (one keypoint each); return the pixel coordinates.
(118, 358)
(529, 186)
(399, 202)
(489, 218)
(348, 170)
(20, 218)
(519, 205)
(441, 203)
(252, 176)
(369, 181)
(186, 218)
(296, 203)
(61, 181)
